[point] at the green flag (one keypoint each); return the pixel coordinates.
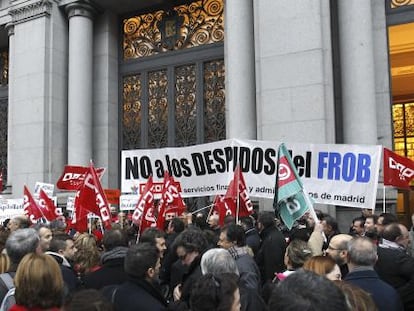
(290, 200)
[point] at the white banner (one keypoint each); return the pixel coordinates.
(10, 208)
(47, 188)
(128, 202)
(344, 175)
(70, 204)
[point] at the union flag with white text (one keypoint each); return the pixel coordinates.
(92, 198)
(398, 170)
(73, 176)
(147, 198)
(47, 206)
(171, 201)
(31, 209)
(238, 195)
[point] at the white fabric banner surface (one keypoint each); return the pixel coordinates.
(335, 174)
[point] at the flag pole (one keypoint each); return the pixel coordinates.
(383, 198)
(201, 209)
(310, 204)
(238, 194)
(209, 212)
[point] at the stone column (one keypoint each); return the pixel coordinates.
(357, 72)
(240, 70)
(10, 138)
(80, 83)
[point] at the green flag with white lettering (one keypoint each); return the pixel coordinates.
(290, 200)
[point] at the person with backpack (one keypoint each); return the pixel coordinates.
(18, 244)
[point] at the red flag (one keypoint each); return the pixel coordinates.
(398, 170)
(148, 219)
(147, 198)
(80, 215)
(171, 200)
(237, 191)
(47, 206)
(91, 198)
(73, 176)
(31, 209)
(224, 207)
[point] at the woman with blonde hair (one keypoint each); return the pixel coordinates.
(325, 266)
(4, 262)
(87, 257)
(296, 254)
(39, 284)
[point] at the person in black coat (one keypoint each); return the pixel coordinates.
(394, 265)
(270, 257)
(115, 243)
(62, 249)
(252, 236)
(362, 255)
(218, 261)
(142, 264)
(189, 246)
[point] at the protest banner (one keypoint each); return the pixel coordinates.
(10, 208)
(128, 202)
(336, 174)
(47, 188)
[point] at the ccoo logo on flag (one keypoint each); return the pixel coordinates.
(404, 171)
(286, 174)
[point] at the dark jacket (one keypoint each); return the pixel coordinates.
(111, 272)
(253, 240)
(248, 269)
(270, 257)
(68, 274)
(250, 299)
(138, 294)
(190, 277)
(384, 295)
(396, 268)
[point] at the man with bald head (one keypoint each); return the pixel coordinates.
(338, 251)
(394, 265)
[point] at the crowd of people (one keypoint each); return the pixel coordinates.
(196, 264)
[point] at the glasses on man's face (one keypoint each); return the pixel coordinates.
(334, 249)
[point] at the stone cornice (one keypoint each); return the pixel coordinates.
(31, 11)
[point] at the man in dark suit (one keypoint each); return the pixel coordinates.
(394, 265)
(139, 292)
(362, 255)
(62, 249)
(270, 257)
(115, 243)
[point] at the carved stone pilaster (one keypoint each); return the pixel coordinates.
(31, 11)
(10, 29)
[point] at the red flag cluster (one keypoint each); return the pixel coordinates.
(398, 170)
(45, 208)
(90, 199)
(236, 201)
(171, 204)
